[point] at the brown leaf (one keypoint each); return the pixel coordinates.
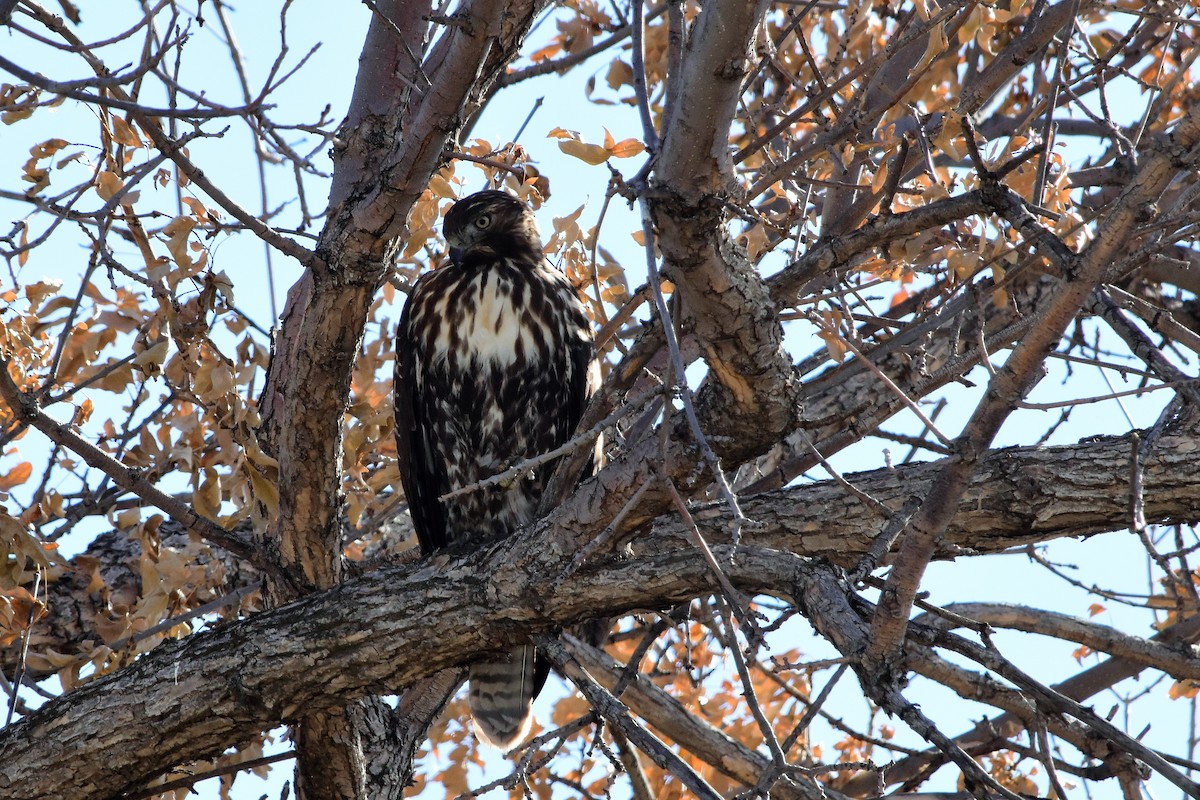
(151, 359)
(627, 148)
(35, 293)
(177, 232)
(592, 154)
(198, 209)
(84, 412)
(108, 184)
(124, 133)
(619, 74)
(16, 476)
(206, 499)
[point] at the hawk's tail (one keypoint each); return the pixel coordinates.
(501, 696)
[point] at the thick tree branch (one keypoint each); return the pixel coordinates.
(1180, 662)
(313, 656)
(403, 114)
(725, 301)
(1017, 497)
(667, 714)
(1022, 370)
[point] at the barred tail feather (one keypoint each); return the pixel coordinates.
(501, 698)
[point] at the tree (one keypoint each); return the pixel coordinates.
(952, 202)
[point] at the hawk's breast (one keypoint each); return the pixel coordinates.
(495, 318)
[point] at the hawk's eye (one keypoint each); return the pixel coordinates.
(482, 221)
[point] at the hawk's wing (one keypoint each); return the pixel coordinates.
(585, 380)
(418, 473)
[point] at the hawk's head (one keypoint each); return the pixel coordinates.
(489, 225)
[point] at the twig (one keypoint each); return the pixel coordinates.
(109, 100)
(729, 601)
(566, 62)
(614, 182)
(1049, 129)
(147, 120)
(771, 775)
(680, 376)
(877, 507)
(580, 440)
(882, 543)
(882, 376)
(1101, 304)
(1053, 700)
(26, 408)
(225, 600)
(1046, 756)
(618, 716)
(727, 589)
(639, 80)
(1189, 384)
(630, 673)
(518, 172)
(621, 317)
(605, 535)
(528, 118)
(26, 635)
(191, 780)
(638, 781)
(814, 707)
(532, 759)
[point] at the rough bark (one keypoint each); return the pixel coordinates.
(386, 630)
(369, 635)
(403, 114)
(725, 301)
(1018, 496)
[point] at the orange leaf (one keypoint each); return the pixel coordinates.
(593, 154)
(24, 256)
(16, 476)
(619, 74)
(937, 45)
(198, 209)
(123, 133)
(178, 230)
(108, 184)
(35, 293)
(207, 497)
(84, 412)
(546, 53)
(627, 148)
(1183, 689)
(129, 518)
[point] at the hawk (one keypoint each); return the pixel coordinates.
(494, 364)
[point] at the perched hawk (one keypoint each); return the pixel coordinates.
(494, 364)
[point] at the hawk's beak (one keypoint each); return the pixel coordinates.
(456, 255)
